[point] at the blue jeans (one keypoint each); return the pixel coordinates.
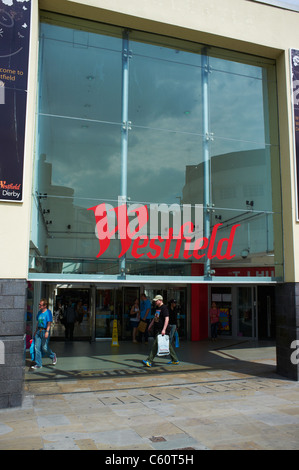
(214, 328)
(172, 332)
(42, 347)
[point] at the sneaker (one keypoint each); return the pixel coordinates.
(54, 360)
(34, 367)
(147, 363)
(174, 362)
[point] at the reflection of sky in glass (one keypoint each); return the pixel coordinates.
(289, 4)
(81, 90)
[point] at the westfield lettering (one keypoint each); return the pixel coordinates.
(3, 185)
(10, 190)
(146, 232)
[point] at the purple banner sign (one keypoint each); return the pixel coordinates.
(14, 54)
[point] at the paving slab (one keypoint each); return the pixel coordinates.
(221, 396)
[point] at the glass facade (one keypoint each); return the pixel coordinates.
(176, 131)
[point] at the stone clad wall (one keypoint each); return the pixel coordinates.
(287, 329)
(13, 297)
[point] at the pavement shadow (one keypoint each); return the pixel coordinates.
(81, 360)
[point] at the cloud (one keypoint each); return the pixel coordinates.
(9, 3)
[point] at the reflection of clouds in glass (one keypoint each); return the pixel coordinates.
(9, 3)
(237, 122)
(237, 108)
(157, 163)
(90, 181)
(288, 4)
(171, 89)
(165, 101)
(85, 159)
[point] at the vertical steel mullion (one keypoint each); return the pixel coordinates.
(206, 153)
(124, 130)
(124, 114)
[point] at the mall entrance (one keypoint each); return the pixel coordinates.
(75, 303)
(96, 308)
(245, 311)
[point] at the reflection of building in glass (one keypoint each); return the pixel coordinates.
(241, 194)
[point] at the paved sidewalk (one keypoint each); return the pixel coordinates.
(223, 395)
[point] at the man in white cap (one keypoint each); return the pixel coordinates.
(160, 323)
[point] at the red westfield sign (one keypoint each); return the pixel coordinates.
(133, 235)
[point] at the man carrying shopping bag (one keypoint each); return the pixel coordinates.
(160, 324)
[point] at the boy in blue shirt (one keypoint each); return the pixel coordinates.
(42, 335)
(145, 314)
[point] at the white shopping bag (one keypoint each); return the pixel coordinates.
(163, 345)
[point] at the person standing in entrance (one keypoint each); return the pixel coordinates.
(172, 319)
(145, 312)
(70, 319)
(161, 327)
(214, 319)
(42, 335)
(134, 319)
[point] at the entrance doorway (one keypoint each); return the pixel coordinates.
(244, 311)
(222, 296)
(114, 304)
(79, 300)
(266, 312)
(97, 306)
(247, 312)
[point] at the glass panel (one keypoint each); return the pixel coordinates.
(245, 166)
(79, 153)
(159, 165)
(222, 296)
(79, 300)
(245, 312)
(63, 225)
(78, 164)
(80, 74)
(236, 109)
(129, 326)
(83, 159)
(105, 312)
(165, 89)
